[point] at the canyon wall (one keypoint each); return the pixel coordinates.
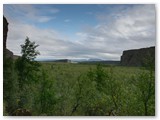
(6, 52)
(137, 57)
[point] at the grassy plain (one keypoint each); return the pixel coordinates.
(72, 89)
(76, 93)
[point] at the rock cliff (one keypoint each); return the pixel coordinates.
(137, 57)
(6, 52)
(5, 31)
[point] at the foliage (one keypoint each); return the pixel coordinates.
(107, 87)
(9, 85)
(95, 90)
(45, 98)
(145, 84)
(27, 68)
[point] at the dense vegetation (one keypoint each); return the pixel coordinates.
(76, 89)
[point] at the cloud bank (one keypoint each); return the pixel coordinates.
(122, 29)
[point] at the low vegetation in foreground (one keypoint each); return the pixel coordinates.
(68, 89)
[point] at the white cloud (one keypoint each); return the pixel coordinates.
(45, 19)
(54, 10)
(27, 12)
(128, 29)
(134, 28)
(18, 32)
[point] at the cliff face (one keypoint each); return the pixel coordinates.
(6, 52)
(5, 31)
(137, 57)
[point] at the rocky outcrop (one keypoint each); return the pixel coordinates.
(63, 61)
(137, 57)
(6, 52)
(15, 57)
(21, 112)
(5, 31)
(9, 54)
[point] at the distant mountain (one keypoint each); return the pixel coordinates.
(63, 60)
(94, 59)
(78, 60)
(53, 60)
(85, 61)
(45, 60)
(110, 62)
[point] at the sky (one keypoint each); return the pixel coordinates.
(81, 31)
